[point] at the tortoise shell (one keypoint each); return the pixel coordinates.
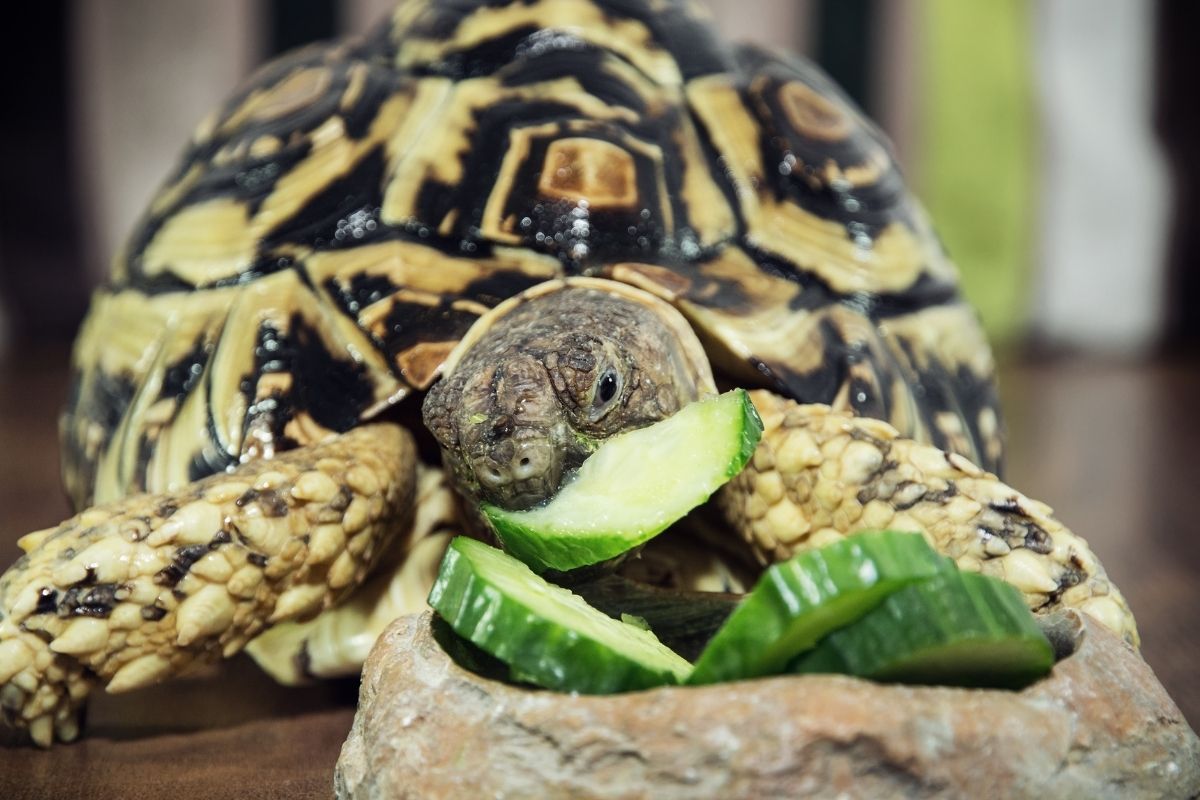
(335, 228)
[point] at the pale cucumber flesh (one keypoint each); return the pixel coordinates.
(634, 486)
(544, 633)
(797, 602)
(957, 628)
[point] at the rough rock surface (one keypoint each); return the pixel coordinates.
(1101, 726)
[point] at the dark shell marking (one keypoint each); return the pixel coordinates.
(333, 230)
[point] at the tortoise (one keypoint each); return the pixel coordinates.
(396, 275)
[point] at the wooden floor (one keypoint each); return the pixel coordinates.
(1113, 447)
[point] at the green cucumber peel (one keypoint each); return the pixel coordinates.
(797, 602)
(957, 628)
(634, 486)
(547, 635)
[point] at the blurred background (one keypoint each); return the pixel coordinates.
(1056, 144)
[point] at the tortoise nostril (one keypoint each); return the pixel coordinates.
(518, 476)
(533, 461)
(490, 475)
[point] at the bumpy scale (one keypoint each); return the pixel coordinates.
(337, 641)
(819, 475)
(131, 593)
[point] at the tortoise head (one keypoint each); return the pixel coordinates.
(542, 379)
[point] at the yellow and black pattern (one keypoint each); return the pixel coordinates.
(172, 387)
(334, 229)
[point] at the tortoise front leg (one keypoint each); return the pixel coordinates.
(131, 593)
(338, 640)
(819, 475)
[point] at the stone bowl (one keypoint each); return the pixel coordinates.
(1099, 726)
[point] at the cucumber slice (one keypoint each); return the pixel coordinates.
(959, 628)
(544, 633)
(634, 486)
(796, 603)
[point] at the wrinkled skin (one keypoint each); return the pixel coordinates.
(534, 398)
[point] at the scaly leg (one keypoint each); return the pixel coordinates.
(338, 640)
(819, 475)
(134, 592)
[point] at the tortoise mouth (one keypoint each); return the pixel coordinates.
(521, 498)
(524, 501)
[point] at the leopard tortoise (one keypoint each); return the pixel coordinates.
(545, 221)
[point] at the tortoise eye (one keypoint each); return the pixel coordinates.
(606, 390)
